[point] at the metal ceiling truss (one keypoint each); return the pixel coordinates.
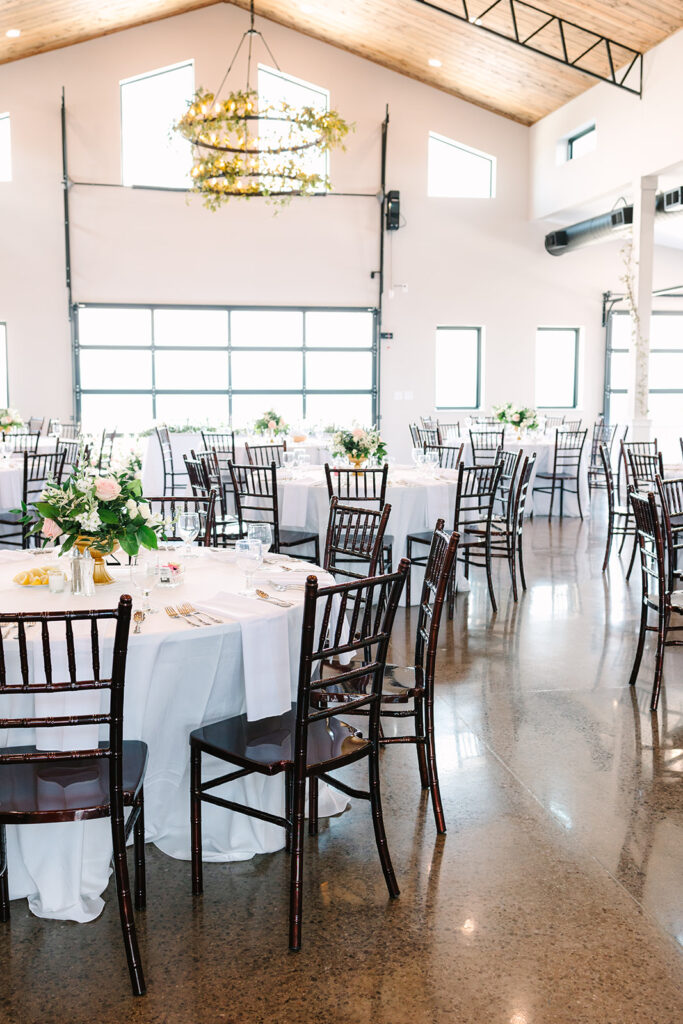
(552, 36)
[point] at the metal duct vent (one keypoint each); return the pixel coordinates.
(586, 232)
(670, 202)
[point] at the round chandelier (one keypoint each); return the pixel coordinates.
(245, 148)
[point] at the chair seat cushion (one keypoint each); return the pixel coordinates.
(558, 476)
(290, 538)
(267, 745)
(44, 791)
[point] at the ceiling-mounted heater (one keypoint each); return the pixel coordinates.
(586, 232)
(670, 201)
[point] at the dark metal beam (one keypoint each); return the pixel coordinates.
(617, 76)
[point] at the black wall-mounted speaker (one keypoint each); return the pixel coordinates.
(393, 211)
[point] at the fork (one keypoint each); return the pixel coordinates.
(173, 614)
(188, 609)
(286, 586)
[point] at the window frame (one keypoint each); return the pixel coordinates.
(155, 73)
(492, 161)
(575, 136)
(4, 340)
(610, 349)
(479, 332)
(321, 90)
(577, 352)
(230, 391)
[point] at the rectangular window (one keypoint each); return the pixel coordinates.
(276, 88)
(457, 172)
(4, 383)
(557, 367)
(151, 153)
(221, 364)
(582, 142)
(458, 367)
(5, 149)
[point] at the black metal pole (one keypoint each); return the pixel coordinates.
(382, 209)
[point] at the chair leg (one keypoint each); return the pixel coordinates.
(451, 590)
(420, 745)
(317, 551)
(552, 499)
(437, 805)
(139, 844)
(624, 535)
(126, 904)
(4, 879)
(297, 868)
(639, 648)
(659, 658)
(633, 556)
(288, 812)
(578, 496)
(610, 535)
(489, 578)
(313, 805)
(409, 555)
(520, 552)
(378, 824)
(196, 820)
(512, 564)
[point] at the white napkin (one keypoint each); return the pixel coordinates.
(265, 651)
(294, 498)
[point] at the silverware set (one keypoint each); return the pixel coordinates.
(190, 614)
(11, 632)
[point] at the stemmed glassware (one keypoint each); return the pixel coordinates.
(418, 458)
(144, 575)
(262, 532)
(249, 557)
(290, 460)
(188, 529)
(431, 461)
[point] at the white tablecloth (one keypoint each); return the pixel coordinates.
(545, 449)
(177, 679)
(11, 482)
(184, 443)
(417, 501)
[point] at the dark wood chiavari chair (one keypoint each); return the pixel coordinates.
(485, 422)
(620, 463)
(643, 468)
(256, 501)
(367, 486)
(603, 434)
(473, 522)
(173, 478)
(450, 455)
(448, 432)
(220, 442)
(428, 423)
(424, 435)
(414, 685)
(638, 448)
(38, 470)
(19, 441)
(71, 449)
(414, 436)
(171, 506)
(618, 516)
(114, 769)
(656, 594)
(519, 511)
(553, 422)
(572, 425)
(485, 445)
(107, 450)
(503, 534)
(566, 468)
(264, 454)
(36, 424)
(204, 477)
(671, 501)
(355, 536)
(68, 431)
(349, 619)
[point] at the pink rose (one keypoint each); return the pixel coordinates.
(271, 424)
(106, 488)
(51, 529)
(357, 434)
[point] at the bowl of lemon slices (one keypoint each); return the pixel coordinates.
(36, 577)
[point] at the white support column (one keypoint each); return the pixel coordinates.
(645, 190)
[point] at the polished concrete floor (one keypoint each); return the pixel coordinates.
(556, 897)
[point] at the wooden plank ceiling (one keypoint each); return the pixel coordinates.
(402, 35)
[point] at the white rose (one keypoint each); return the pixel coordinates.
(144, 511)
(131, 504)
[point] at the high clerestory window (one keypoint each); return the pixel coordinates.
(151, 153)
(275, 88)
(456, 171)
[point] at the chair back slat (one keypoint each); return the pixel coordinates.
(568, 450)
(220, 442)
(651, 547)
(450, 456)
(107, 448)
(170, 507)
(638, 448)
(644, 467)
(23, 441)
(442, 553)
(354, 537)
(448, 432)
(671, 502)
(521, 492)
(256, 497)
(485, 445)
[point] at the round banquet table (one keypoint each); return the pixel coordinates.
(11, 483)
(177, 678)
(544, 447)
(417, 500)
(182, 443)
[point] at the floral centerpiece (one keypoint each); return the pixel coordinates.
(271, 423)
(10, 420)
(359, 444)
(99, 512)
(519, 417)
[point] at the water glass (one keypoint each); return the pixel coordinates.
(262, 532)
(290, 460)
(249, 556)
(431, 461)
(188, 529)
(144, 576)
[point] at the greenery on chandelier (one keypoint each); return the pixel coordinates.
(246, 149)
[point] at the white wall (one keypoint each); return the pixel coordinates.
(469, 262)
